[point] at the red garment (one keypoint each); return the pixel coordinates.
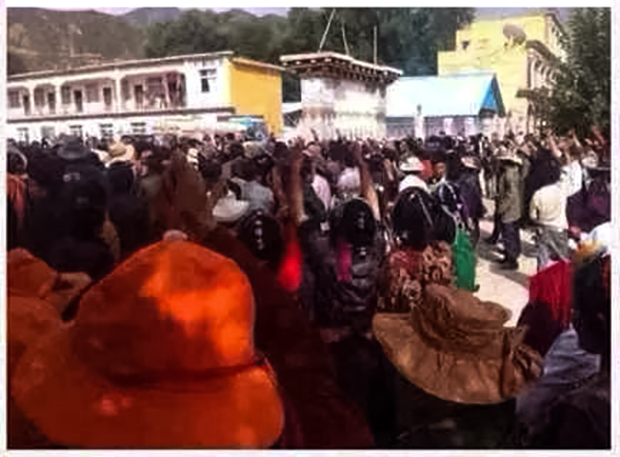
(289, 275)
(427, 173)
(345, 261)
(327, 417)
(553, 287)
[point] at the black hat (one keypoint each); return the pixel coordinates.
(357, 224)
(413, 217)
(73, 149)
(262, 235)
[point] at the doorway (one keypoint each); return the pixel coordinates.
(77, 97)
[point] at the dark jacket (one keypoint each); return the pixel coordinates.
(509, 194)
(328, 418)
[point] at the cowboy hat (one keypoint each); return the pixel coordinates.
(252, 149)
(455, 347)
(72, 148)
(412, 165)
(471, 162)
(117, 149)
(229, 209)
(160, 355)
(31, 278)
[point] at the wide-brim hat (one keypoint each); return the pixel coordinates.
(252, 149)
(471, 162)
(456, 347)
(117, 149)
(228, 209)
(28, 320)
(412, 165)
(160, 355)
(72, 149)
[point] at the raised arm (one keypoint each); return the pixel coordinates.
(366, 188)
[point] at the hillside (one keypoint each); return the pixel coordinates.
(40, 39)
(146, 16)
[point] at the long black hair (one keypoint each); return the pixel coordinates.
(419, 220)
(262, 235)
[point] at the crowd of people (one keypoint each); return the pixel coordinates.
(210, 292)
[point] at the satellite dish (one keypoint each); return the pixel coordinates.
(515, 33)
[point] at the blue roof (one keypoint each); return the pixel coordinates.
(460, 94)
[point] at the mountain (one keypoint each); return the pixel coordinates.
(41, 39)
(147, 16)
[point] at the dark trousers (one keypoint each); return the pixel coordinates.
(512, 240)
(497, 227)
(475, 232)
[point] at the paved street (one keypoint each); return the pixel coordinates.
(508, 288)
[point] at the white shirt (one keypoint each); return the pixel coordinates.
(349, 181)
(572, 177)
(321, 187)
(412, 181)
(548, 207)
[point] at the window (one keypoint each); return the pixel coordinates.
(14, 99)
(39, 97)
(465, 45)
(138, 93)
(47, 132)
(207, 77)
(26, 102)
(77, 96)
(22, 134)
(65, 95)
(51, 102)
(76, 130)
(107, 96)
(107, 131)
(138, 128)
(92, 94)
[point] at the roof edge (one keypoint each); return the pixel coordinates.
(118, 64)
(256, 63)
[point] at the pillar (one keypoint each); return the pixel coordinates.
(167, 101)
(118, 91)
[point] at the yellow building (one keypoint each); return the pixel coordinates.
(256, 89)
(520, 50)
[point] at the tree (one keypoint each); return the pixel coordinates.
(407, 38)
(581, 97)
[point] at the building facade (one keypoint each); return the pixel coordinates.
(458, 104)
(142, 96)
(522, 51)
(341, 96)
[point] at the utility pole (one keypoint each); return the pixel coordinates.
(329, 23)
(344, 39)
(375, 44)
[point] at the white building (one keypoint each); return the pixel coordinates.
(139, 96)
(341, 95)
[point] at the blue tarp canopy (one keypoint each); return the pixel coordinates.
(461, 94)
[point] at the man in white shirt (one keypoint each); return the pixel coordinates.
(548, 211)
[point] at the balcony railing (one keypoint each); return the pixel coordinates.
(91, 109)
